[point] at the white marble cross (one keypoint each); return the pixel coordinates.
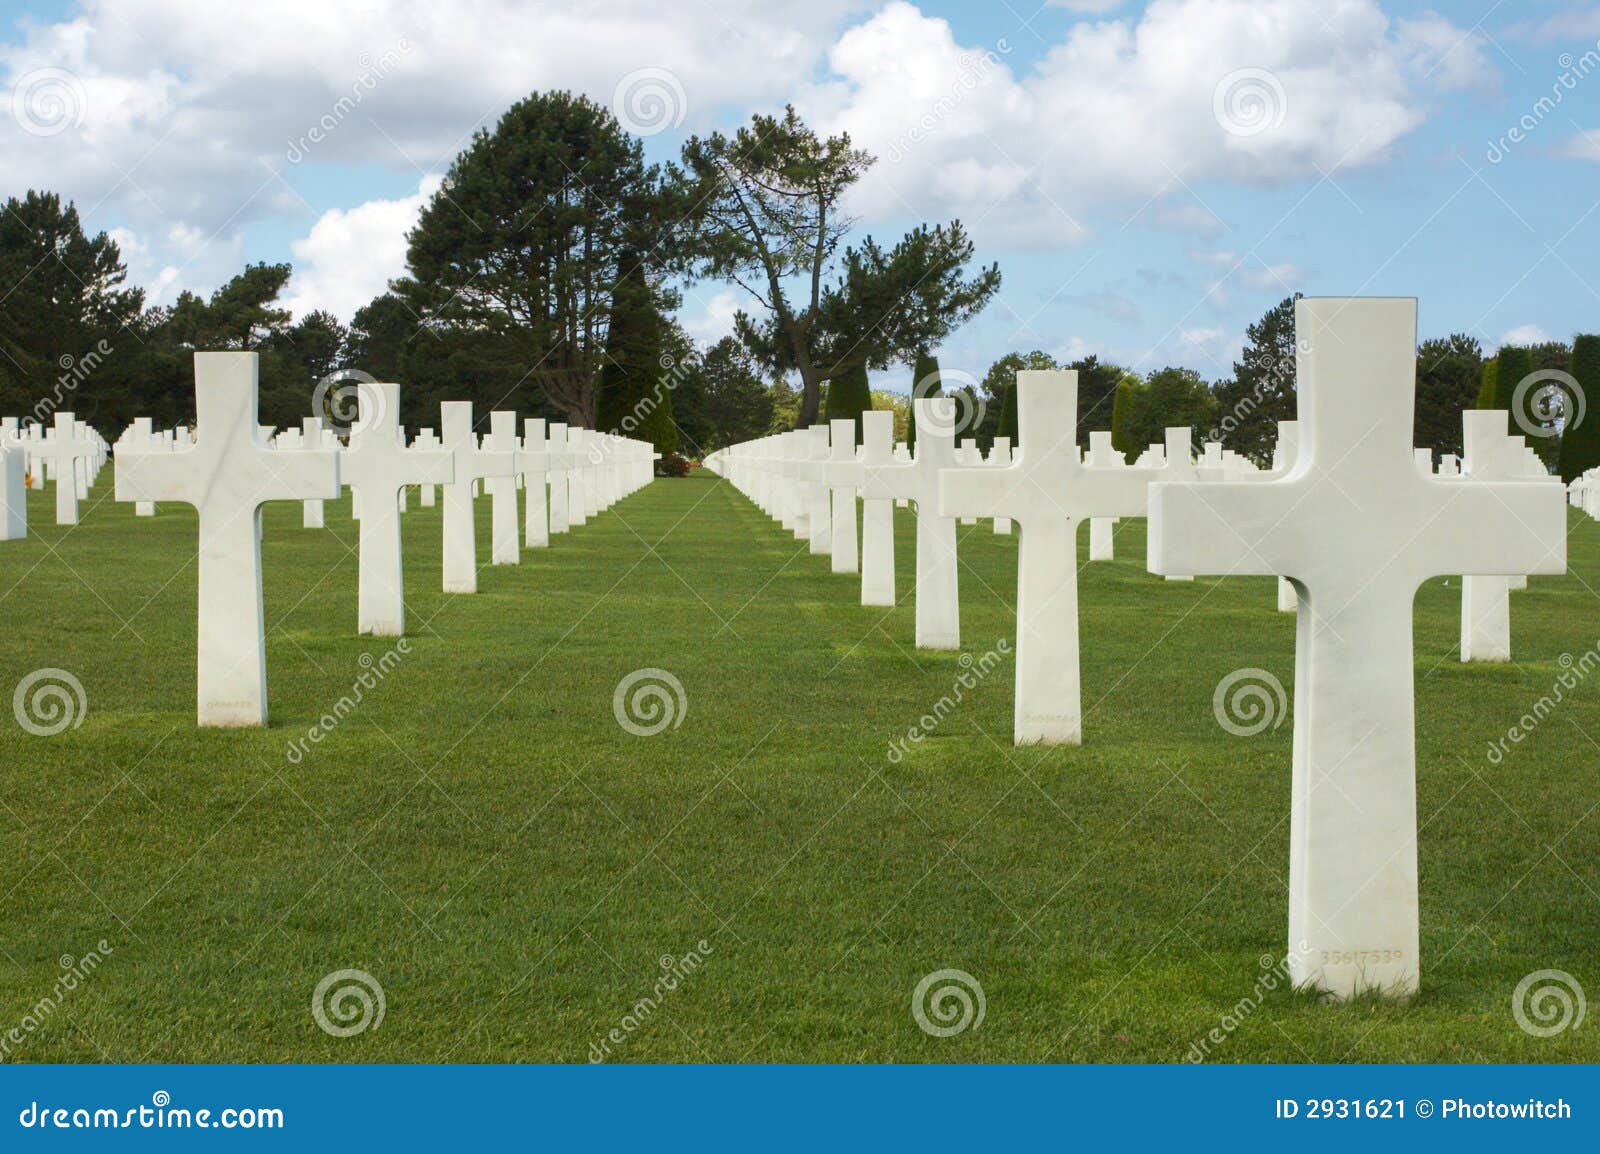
(427, 439)
(471, 464)
(13, 483)
(1283, 457)
(535, 463)
(227, 475)
(967, 454)
(377, 466)
(68, 451)
(577, 476)
(1489, 455)
(813, 465)
(999, 458)
(1358, 529)
(144, 437)
(842, 477)
(937, 592)
(313, 436)
(505, 539)
(1102, 530)
(1048, 492)
(877, 513)
(560, 467)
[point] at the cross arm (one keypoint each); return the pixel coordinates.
(1228, 528)
(984, 492)
(1490, 528)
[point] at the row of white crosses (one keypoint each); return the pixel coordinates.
(68, 451)
(1584, 492)
(230, 471)
(809, 480)
(1351, 516)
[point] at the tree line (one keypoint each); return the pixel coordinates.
(546, 272)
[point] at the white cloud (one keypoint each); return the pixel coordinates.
(1583, 146)
(1282, 278)
(350, 255)
(189, 110)
(1123, 113)
(708, 319)
(182, 116)
(1524, 335)
(1088, 7)
(1438, 51)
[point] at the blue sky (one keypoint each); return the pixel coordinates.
(1150, 177)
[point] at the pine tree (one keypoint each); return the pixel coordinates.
(849, 395)
(1262, 391)
(1580, 443)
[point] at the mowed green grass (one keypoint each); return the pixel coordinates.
(483, 837)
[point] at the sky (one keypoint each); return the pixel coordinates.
(1150, 177)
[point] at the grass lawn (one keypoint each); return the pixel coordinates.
(483, 837)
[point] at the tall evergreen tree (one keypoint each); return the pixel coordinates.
(536, 224)
(1580, 442)
(1449, 372)
(1262, 390)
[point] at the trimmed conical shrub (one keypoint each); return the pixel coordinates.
(1514, 364)
(849, 395)
(1007, 426)
(1580, 443)
(924, 383)
(1122, 404)
(1491, 370)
